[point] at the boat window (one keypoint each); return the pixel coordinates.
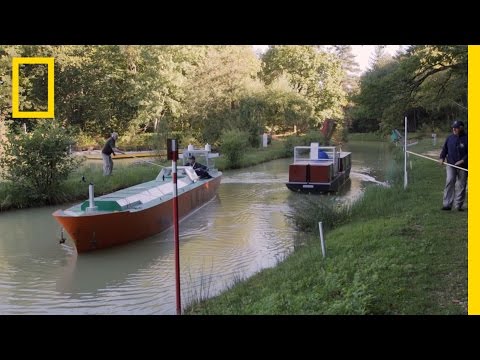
(191, 173)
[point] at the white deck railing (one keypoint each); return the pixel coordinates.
(309, 155)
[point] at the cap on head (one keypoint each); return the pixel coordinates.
(115, 135)
(457, 123)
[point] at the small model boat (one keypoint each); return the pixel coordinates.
(318, 168)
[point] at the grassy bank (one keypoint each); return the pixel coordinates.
(366, 137)
(123, 176)
(378, 137)
(75, 189)
(393, 252)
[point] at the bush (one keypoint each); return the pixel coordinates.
(85, 141)
(139, 142)
(36, 163)
(233, 144)
(290, 143)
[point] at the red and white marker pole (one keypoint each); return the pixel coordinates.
(175, 225)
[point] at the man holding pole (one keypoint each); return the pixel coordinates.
(455, 150)
(107, 151)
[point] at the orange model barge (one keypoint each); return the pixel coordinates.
(139, 211)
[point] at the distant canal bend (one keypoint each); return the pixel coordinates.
(238, 233)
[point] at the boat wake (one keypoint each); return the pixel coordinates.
(368, 178)
(254, 178)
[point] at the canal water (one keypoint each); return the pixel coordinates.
(242, 230)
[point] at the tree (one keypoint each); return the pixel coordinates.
(286, 108)
(379, 56)
(6, 54)
(92, 86)
(160, 85)
(349, 66)
(215, 91)
(312, 73)
(427, 82)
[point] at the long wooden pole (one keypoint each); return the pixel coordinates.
(139, 158)
(429, 158)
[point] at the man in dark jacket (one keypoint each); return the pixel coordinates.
(455, 150)
(201, 170)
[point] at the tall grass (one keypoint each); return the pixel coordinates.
(199, 286)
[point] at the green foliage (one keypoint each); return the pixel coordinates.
(196, 92)
(142, 141)
(37, 163)
(102, 94)
(371, 136)
(290, 142)
(252, 119)
(286, 108)
(92, 86)
(6, 54)
(349, 66)
(214, 92)
(303, 140)
(85, 141)
(256, 156)
(161, 75)
(428, 84)
(74, 188)
(378, 91)
(233, 145)
(314, 74)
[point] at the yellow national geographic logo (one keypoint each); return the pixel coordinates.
(16, 113)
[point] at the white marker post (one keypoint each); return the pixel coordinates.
(322, 242)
